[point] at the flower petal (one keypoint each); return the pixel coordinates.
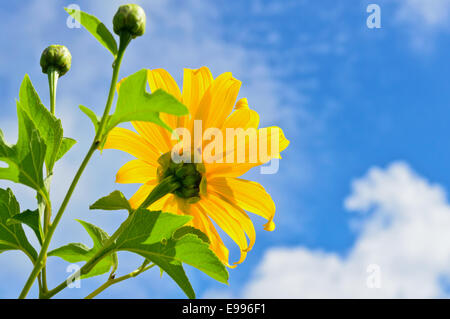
(136, 171)
(238, 214)
(236, 219)
(138, 198)
(170, 205)
(131, 143)
(218, 101)
(202, 222)
(241, 161)
(161, 79)
(195, 84)
(225, 221)
(242, 118)
(154, 135)
(248, 195)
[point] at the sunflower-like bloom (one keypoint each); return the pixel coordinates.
(209, 191)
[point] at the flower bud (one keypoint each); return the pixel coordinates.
(129, 18)
(57, 57)
(190, 181)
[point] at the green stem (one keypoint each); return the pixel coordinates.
(53, 76)
(40, 262)
(113, 281)
(124, 41)
(166, 186)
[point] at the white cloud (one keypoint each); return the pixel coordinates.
(405, 232)
(432, 13)
(424, 20)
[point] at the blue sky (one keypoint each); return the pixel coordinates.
(358, 104)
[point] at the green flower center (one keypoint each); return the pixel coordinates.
(189, 177)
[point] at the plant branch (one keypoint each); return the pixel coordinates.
(40, 262)
(110, 245)
(113, 281)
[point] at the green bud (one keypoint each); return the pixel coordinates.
(191, 180)
(57, 57)
(129, 18)
(187, 192)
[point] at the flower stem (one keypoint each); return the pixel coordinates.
(40, 262)
(112, 281)
(53, 76)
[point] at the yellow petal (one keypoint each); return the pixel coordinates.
(142, 193)
(136, 171)
(242, 118)
(227, 169)
(262, 143)
(154, 135)
(265, 137)
(202, 222)
(248, 195)
(236, 213)
(170, 205)
(241, 104)
(131, 143)
(161, 79)
(138, 198)
(225, 221)
(218, 101)
(195, 84)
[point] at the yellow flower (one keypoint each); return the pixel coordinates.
(224, 197)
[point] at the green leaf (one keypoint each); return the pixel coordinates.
(66, 145)
(91, 114)
(25, 159)
(96, 28)
(136, 104)
(151, 227)
(77, 252)
(183, 231)
(151, 235)
(12, 236)
(31, 218)
(49, 127)
(114, 201)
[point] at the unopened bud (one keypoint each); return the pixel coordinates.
(129, 18)
(57, 57)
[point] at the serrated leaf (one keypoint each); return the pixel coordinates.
(92, 116)
(114, 201)
(25, 159)
(151, 235)
(96, 28)
(12, 236)
(66, 145)
(49, 127)
(76, 252)
(32, 219)
(136, 104)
